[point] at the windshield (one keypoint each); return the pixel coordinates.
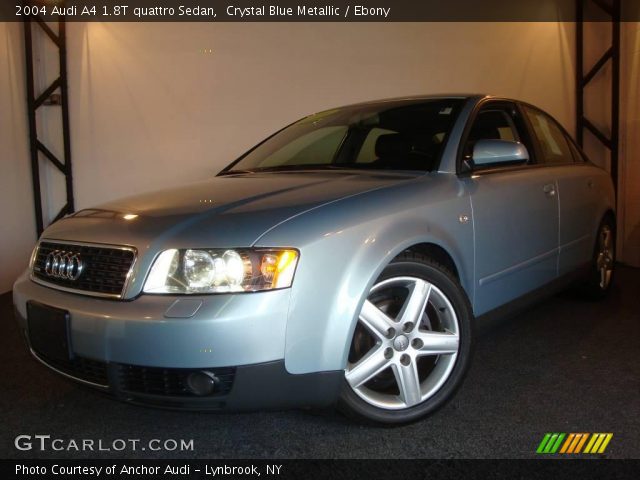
(392, 135)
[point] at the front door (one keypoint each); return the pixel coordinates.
(515, 216)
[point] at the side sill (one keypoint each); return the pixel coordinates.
(521, 303)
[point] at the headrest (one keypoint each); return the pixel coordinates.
(392, 145)
(484, 132)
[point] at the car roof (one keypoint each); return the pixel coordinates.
(416, 99)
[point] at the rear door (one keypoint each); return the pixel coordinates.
(576, 192)
(515, 215)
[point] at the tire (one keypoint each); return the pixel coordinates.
(402, 374)
(598, 283)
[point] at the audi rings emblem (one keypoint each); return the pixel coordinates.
(63, 265)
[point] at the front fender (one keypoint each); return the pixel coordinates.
(344, 248)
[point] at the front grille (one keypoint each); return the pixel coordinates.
(169, 381)
(105, 268)
(86, 369)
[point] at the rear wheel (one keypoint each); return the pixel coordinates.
(602, 265)
(411, 346)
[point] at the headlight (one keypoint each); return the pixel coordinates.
(196, 271)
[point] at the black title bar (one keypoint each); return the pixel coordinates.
(318, 10)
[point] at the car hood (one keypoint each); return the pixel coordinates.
(224, 211)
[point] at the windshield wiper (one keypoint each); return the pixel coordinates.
(232, 172)
(290, 168)
(284, 168)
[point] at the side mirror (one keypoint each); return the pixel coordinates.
(492, 152)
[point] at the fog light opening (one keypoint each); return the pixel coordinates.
(202, 383)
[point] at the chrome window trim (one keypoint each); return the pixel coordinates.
(515, 168)
(115, 296)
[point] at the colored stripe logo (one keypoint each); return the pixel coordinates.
(574, 443)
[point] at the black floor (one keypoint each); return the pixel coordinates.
(563, 366)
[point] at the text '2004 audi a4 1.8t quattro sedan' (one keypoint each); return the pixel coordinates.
(344, 260)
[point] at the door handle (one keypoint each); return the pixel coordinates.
(549, 190)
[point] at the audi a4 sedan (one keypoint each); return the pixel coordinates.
(342, 261)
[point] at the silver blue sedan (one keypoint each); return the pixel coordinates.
(344, 260)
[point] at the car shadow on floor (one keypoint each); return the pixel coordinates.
(562, 365)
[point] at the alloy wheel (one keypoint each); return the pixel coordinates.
(605, 257)
(405, 345)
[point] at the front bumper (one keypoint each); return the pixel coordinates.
(142, 350)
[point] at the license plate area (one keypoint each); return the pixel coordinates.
(49, 331)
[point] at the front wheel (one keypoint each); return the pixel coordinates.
(411, 345)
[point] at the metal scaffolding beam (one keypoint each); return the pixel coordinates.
(612, 55)
(36, 100)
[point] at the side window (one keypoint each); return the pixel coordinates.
(553, 144)
(491, 124)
